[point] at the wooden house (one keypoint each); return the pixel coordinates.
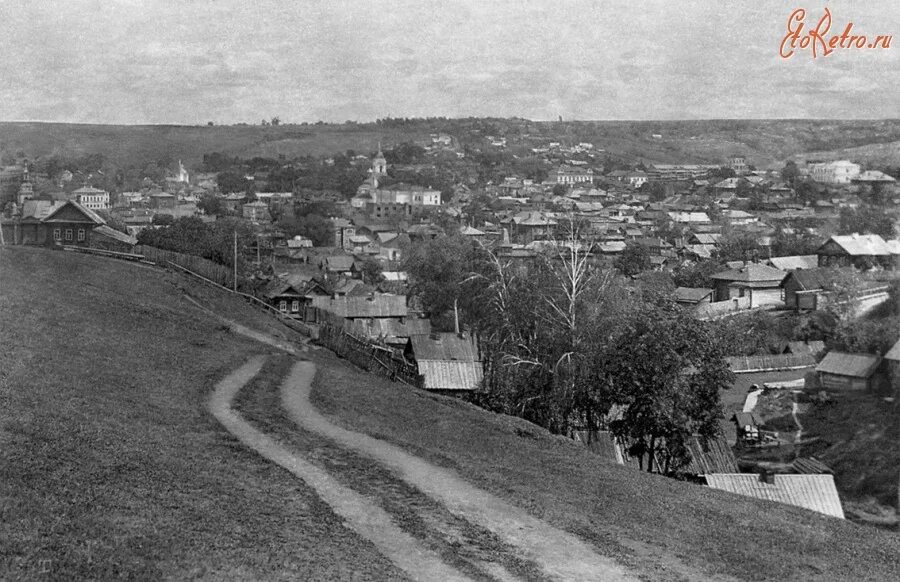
(761, 284)
(693, 296)
(862, 251)
(805, 288)
(843, 372)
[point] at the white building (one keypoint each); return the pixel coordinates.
(92, 198)
(840, 172)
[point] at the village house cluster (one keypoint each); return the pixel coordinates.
(668, 216)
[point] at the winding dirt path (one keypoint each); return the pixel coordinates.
(362, 515)
(561, 555)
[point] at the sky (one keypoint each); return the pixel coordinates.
(228, 61)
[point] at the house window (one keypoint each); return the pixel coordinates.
(295, 306)
(282, 306)
(57, 234)
(80, 235)
(68, 234)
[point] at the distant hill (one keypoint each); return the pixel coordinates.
(763, 143)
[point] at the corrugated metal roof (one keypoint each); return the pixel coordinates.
(444, 346)
(710, 456)
(813, 492)
(853, 365)
(810, 466)
(450, 375)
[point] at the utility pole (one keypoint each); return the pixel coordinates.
(234, 284)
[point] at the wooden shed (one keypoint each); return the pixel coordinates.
(847, 372)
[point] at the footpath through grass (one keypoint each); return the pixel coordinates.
(666, 529)
(110, 465)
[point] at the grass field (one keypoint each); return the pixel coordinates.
(111, 467)
(657, 525)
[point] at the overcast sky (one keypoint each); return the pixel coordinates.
(192, 61)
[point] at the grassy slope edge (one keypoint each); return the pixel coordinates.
(110, 465)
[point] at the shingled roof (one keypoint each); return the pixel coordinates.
(853, 365)
(862, 245)
(750, 274)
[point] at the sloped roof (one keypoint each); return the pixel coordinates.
(814, 492)
(339, 263)
(795, 262)
(115, 234)
(451, 375)
(444, 346)
(861, 244)
(751, 273)
(893, 353)
(810, 466)
(692, 294)
(90, 214)
(710, 456)
(390, 328)
(853, 365)
(470, 231)
(39, 209)
(746, 419)
(363, 306)
(707, 238)
(811, 279)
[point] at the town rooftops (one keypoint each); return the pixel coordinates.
(853, 365)
(860, 244)
(813, 492)
(750, 274)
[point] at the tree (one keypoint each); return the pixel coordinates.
(211, 205)
(162, 219)
(313, 226)
(866, 220)
(371, 271)
(665, 371)
(560, 190)
(738, 246)
(790, 172)
(633, 260)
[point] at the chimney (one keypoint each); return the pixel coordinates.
(767, 476)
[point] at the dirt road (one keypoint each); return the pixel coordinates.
(362, 515)
(560, 555)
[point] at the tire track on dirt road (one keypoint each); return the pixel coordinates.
(362, 515)
(561, 555)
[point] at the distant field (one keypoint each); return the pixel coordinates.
(764, 143)
(110, 466)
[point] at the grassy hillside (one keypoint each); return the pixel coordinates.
(764, 142)
(110, 466)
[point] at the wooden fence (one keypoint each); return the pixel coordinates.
(722, 308)
(369, 356)
(219, 274)
(747, 364)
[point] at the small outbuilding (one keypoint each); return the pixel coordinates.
(843, 372)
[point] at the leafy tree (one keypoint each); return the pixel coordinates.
(790, 172)
(371, 271)
(666, 371)
(313, 226)
(560, 190)
(866, 220)
(162, 219)
(233, 181)
(738, 246)
(633, 260)
(696, 274)
(211, 205)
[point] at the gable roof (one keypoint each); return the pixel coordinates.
(814, 492)
(451, 375)
(751, 273)
(39, 209)
(89, 214)
(810, 279)
(339, 262)
(860, 244)
(853, 365)
(444, 346)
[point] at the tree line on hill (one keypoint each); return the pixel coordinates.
(570, 347)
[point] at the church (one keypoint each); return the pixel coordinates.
(397, 199)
